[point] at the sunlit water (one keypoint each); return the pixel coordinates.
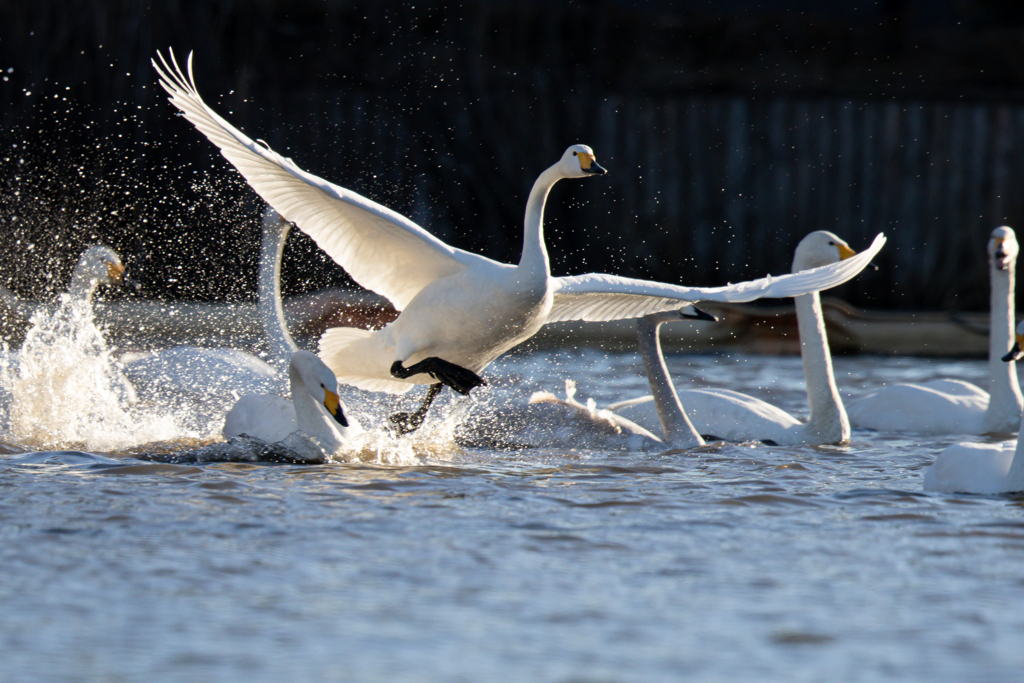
(729, 563)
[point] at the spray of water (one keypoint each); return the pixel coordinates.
(63, 389)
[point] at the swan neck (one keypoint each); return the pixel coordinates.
(1005, 406)
(311, 418)
(535, 253)
(827, 422)
(675, 424)
(82, 287)
(269, 304)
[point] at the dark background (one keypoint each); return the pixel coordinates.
(730, 130)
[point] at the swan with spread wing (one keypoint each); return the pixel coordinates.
(459, 311)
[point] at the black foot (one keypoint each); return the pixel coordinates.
(451, 375)
(407, 423)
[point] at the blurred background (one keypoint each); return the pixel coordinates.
(730, 129)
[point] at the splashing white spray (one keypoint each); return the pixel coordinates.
(63, 389)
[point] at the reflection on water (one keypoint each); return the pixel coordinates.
(730, 562)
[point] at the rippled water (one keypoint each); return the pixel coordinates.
(732, 562)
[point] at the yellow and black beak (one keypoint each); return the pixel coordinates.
(845, 252)
(333, 406)
(588, 164)
(694, 313)
(115, 272)
(1000, 254)
(1015, 352)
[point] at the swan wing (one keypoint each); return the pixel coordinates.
(381, 249)
(599, 297)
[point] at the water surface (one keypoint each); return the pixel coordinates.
(726, 563)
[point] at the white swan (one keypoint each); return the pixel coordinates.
(459, 311)
(947, 406)
(733, 416)
(315, 409)
(982, 467)
(198, 373)
(97, 266)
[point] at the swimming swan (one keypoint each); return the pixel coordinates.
(982, 467)
(733, 416)
(947, 406)
(315, 409)
(459, 311)
(200, 373)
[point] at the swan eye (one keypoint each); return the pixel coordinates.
(322, 385)
(574, 153)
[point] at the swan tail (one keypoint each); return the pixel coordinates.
(359, 358)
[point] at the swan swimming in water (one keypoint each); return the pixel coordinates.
(199, 374)
(946, 406)
(982, 467)
(459, 311)
(734, 416)
(314, 410)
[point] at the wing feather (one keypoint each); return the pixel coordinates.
(598, 297)
(381, 249)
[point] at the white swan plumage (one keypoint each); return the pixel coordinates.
(314, 409)
(984, 468)
(945, 406)
(459, 311)
(735, 416)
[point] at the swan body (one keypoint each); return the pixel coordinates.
(459, 311)
(982, 468)
(951, 406)
(735, 416)
(198, 373)
(547, 421)
(315, 409)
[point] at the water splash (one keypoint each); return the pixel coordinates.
(63, 389)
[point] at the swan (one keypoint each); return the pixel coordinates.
(734, 416)
(199, 373)
(315, 409)
(549, 422)
(982, 467)
(97, 266)
(458, 310)
(947, 406)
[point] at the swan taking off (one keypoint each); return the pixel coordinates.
(982, 467)
(947, 406)
(734, 416)
(459, 311)
(315, 409)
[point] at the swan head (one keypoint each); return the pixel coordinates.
(579, 162)
(99, 265)
(820, 248)
(319, 382)
(1003, 248)
(1017, 350)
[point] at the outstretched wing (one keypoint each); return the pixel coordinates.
(382, 250)
(599, 297)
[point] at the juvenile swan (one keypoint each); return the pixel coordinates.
(982, 467)
(733, 416)
(459, 311)
(949, 406)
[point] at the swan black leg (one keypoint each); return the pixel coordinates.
(451, 375)
(406, 423)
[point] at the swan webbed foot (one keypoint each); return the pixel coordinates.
(456, 377)
(407, 423)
